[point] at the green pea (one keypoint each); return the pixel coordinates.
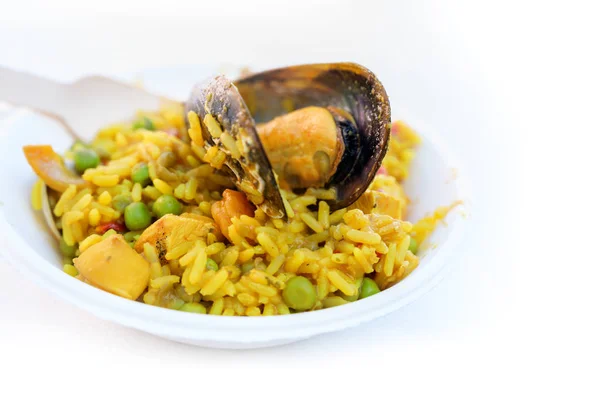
(166, 204)
(368, 288)
(414, 246)
(143, 123)
(193, 308)
(212, 265)
(137, 216)
(121, 201)
(140, 174)
(66, 250)
(176, 304)
(131, 236)
(247, 267)
(84, 159)
(299, 294)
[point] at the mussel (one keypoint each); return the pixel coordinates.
(308, 126)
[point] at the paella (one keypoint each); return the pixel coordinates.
(278, 193)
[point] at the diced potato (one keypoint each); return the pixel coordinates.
(50, 168)
(173, 230)
(112, 265)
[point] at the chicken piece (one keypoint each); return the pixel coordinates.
(113, 266)
(376, 202)
(173, 230)
(50, 167)
(385, 196)
(234, 204)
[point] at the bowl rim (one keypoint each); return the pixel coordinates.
(186, 326)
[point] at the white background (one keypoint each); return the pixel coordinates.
(512, 84)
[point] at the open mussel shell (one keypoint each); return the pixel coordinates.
(344, 88)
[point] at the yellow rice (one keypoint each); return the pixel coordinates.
(335, 250)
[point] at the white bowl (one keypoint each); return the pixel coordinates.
(436, 180)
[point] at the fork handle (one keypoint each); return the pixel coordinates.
(28, 90)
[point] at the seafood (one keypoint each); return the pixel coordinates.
(309, 126)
